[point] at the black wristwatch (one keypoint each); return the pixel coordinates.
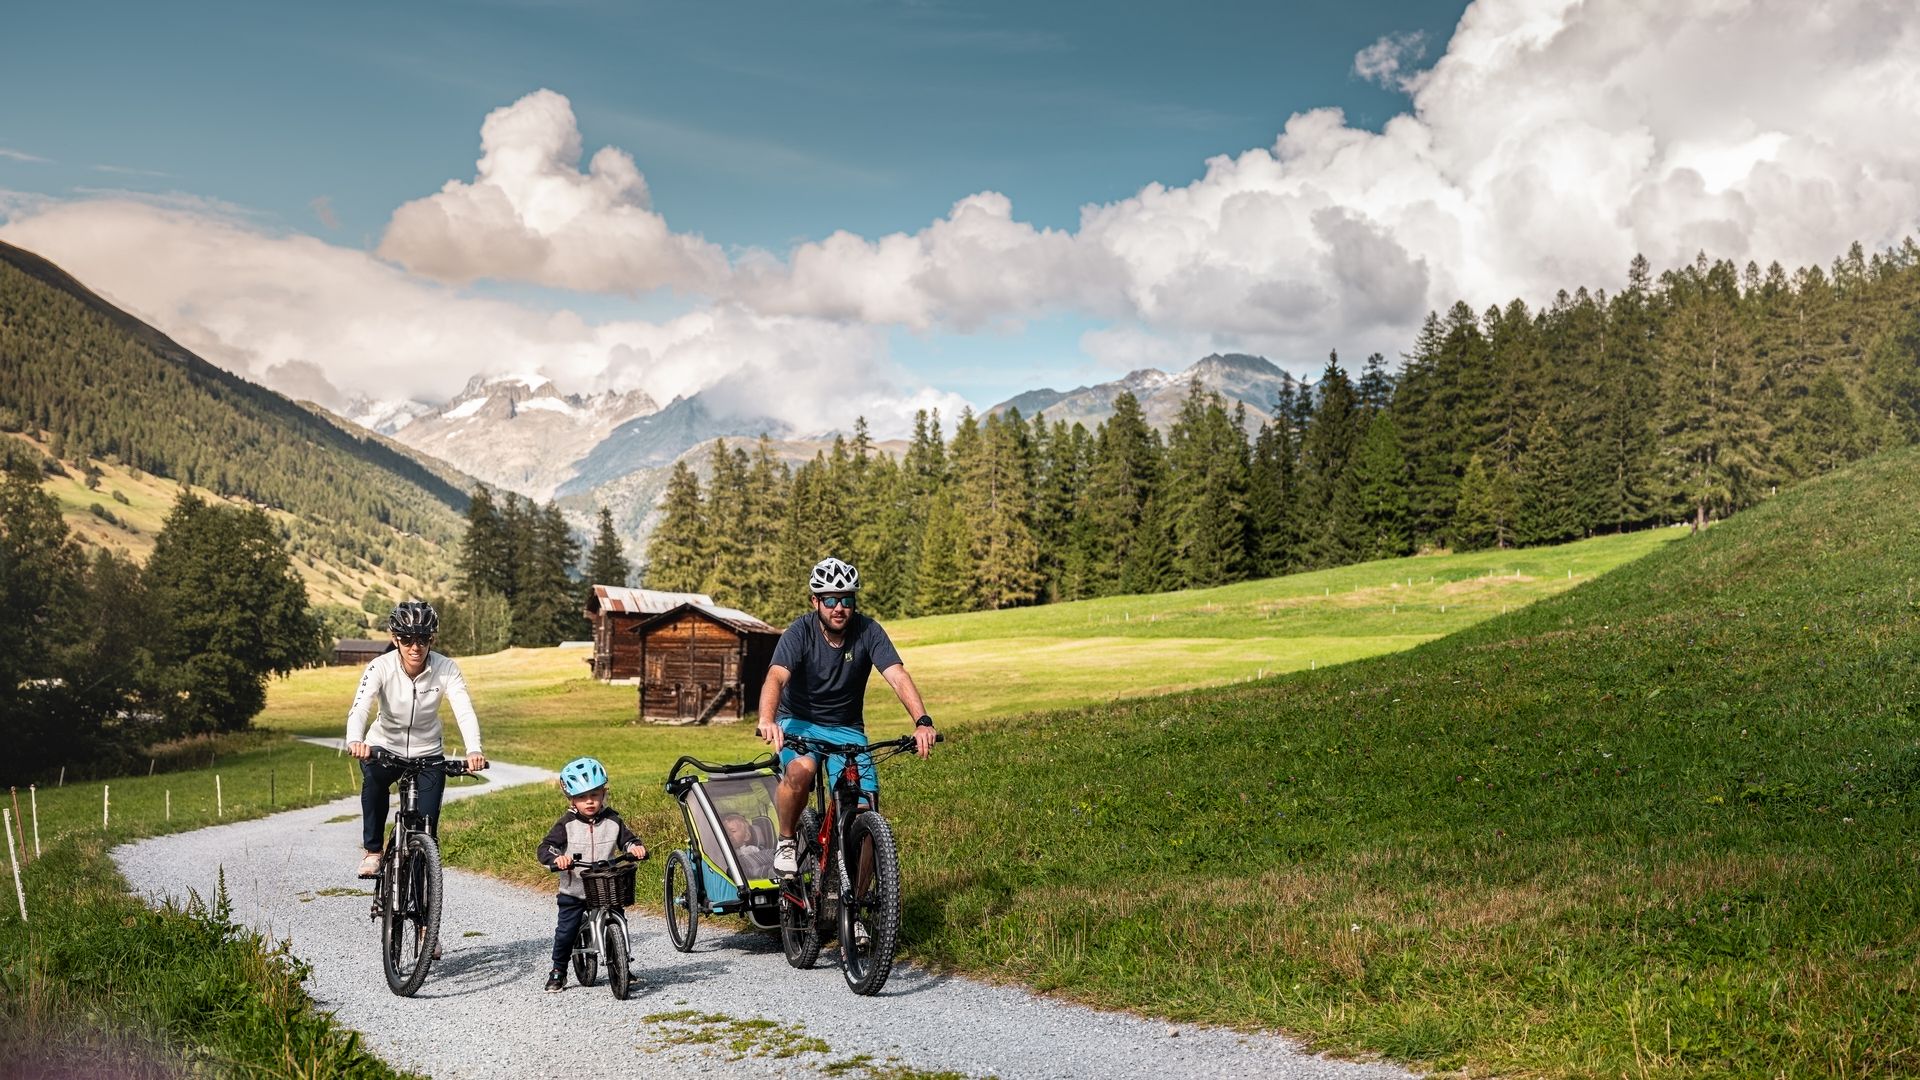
(924, 721)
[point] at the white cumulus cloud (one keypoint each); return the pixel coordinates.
(1550, 142)
(530, 214)
(324, 322)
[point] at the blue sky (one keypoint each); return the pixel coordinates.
(756, 123)
(1030, 194)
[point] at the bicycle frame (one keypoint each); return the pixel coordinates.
(399, 897)
(849, 884)
(603, 937)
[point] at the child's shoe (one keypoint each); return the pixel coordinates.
(556, 980)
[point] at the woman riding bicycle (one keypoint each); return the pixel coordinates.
(408, 681)
(816, 688)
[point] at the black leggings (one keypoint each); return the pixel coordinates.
(377, 780)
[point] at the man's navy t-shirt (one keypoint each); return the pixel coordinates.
(829, 685)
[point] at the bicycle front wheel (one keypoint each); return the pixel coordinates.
(683, 902)
(870, 905)
(411, 922)
(613, 931)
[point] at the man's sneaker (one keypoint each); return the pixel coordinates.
(370, 865)
(786, 857)
(556, 980)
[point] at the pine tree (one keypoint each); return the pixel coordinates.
(232, 612)
(1712, 433)
(994, 492)
(724, 526)
(676, 553)
(1547, 509)
(768, 484)
(486, 558)
(1475, 518)
(607, 561)
(1629, 395)
(1379, 483)
(1125, 478)
(1329, 518)
(944, 579)
(545, 603)
(1206, 491)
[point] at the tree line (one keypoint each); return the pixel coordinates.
(101, 659)
(517, 581)
(1681, 398)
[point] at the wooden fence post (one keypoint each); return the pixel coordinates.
(15, 863)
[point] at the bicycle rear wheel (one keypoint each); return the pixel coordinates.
(586, 963)
(613, 931)
(410, 925)
(870, 916)
(683, 902)
(800, 899)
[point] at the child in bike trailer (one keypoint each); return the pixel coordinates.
(591, 830)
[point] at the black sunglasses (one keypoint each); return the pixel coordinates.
(831, 602)
(410, 640)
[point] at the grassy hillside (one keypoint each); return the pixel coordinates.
(127, 508)
(93, 385)
(1661, 824)
(540, 707)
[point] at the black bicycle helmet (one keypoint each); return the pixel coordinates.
(414, 618)
(830, 575)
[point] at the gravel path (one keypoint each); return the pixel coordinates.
(482, 1012)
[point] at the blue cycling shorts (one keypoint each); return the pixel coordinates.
(830, 733)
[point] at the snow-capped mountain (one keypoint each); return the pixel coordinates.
(385, 417)
(518, 432)
(1252, 380)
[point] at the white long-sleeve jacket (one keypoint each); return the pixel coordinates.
(408, 721)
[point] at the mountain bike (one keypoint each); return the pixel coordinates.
(406, 891)
(603, 926)
(853, 898)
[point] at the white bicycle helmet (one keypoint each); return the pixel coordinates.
(830, 575)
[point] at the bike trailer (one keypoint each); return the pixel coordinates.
(725, 875)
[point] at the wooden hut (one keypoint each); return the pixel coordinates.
(614, 611)
(701, 663)
(357, 650)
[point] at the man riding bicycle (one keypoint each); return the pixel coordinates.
(816, 689)
(408, 682)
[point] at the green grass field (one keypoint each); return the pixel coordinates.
(539, 706)
(99, 984)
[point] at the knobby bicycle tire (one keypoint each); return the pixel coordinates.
(411, 927)
(683, 902)
(613, 931)
(877, 907)
(800, 926)
(586, 963)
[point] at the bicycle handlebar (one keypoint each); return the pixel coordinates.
(380, 755)
(804, 745)
(620, 858)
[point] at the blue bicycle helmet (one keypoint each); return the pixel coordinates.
(582, 775)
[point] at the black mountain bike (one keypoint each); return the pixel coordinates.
(406, 892)
(848, 884)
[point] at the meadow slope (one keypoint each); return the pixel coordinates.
(1664, 823)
